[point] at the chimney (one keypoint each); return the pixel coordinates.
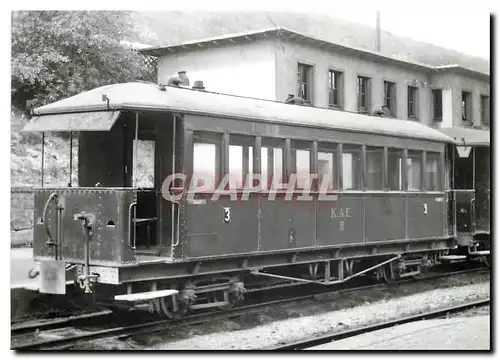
(183, 77)
(377, 36)
(179, 79)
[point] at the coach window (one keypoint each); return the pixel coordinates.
(374, 167)
(301, 163)
(351, 167)
(432, 171)
(414, 170)
(272, 160)
(207, 159)
(240, 160)
(395, 169)
(327, 166)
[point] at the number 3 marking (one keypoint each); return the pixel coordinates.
(425, 209)
(227, 214)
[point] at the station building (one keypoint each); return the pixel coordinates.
(273, 63)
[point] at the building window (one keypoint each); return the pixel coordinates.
(437, 105)
(412, 102)
(363, 91)
(466, 106)
(390, 97)
(352, 170)
(304, 78)
(432, 171)
(485, 110)
(335, 88)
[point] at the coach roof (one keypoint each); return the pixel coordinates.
(149, 96)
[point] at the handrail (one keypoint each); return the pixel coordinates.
(177, 227)
(134, 204)
(52, 197)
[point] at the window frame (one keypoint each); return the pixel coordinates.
(300, 145)
(421, 155)
(367, 94)
(391, 88)
(435, 116)
(273, 143)
(415, 102)
(358, 184)
(426, 185)
(334, 149)
(247, 143)
(466, 106)
(213, 138)
(309, 71)
(401, 168)
(339, 75)
(485, 110)
(369, 149)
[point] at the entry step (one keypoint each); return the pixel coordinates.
(453, 258)
(146, 295)
(480, 253)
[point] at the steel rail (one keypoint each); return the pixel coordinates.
(23, 328)
(309, 343)
(159, 325)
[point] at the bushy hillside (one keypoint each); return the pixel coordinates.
(26, 156)
(174, 27)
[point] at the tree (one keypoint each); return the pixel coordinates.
(56, 54)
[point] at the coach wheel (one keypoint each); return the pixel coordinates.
(172, 308)
(487, 261)
(390, 273)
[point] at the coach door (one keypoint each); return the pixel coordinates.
(463, 181)
(153, 156)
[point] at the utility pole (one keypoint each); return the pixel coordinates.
(377, 37)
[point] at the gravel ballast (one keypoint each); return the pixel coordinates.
(291, 330)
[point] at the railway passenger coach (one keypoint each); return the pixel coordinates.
(195, 232)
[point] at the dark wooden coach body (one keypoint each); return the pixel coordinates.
(388, 192)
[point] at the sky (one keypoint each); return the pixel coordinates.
(463, 29)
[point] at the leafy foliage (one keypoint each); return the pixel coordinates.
(56, 54)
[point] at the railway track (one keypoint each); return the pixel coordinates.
(309, 343)
(60, 334)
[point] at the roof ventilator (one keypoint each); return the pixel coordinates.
(198, 85)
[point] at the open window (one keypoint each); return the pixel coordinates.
(327, 166)
(240, 161)
(301, 163)
(352, 170)
(374, 168)
(272, 160)
(414, 170)
(395, 169)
